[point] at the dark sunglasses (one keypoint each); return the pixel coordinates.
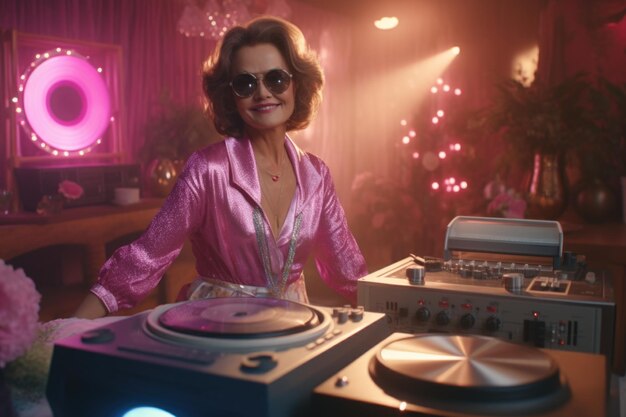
(276, 80)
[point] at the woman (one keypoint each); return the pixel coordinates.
(254, 206)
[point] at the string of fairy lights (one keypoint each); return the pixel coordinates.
(431, 156)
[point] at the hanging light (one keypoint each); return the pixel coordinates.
(217, 16)
(386, 23)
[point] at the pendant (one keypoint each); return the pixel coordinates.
(275, 177)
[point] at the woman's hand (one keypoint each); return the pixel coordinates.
(91, 308)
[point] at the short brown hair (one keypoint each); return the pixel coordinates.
(302, 62)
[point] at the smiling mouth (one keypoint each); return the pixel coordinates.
(265, 107)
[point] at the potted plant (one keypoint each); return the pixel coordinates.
(171, 136)
(542, 125)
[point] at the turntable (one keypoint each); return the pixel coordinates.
(217, 357)
(447, 375)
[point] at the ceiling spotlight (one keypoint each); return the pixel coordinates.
(386, 23)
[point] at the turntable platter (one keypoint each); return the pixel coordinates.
(467, 370)
(239, 317)
(240, 324)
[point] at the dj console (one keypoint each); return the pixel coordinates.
(519, 329)
(216, 357)
(504, 278)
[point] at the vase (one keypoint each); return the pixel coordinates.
(161, 176)
(595, 201)
(50, 204)
(547, 191)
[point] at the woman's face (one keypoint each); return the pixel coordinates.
(264, 110)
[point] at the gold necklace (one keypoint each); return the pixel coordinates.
(276, 176)
(273, 201)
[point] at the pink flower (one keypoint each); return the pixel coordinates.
(508, 205)
(516, 209)
(19, 313)
(70, 190)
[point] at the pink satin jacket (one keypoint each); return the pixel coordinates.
(213, 204)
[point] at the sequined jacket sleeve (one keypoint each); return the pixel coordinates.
(135, 269)
(337, 255)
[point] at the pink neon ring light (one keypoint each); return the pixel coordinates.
(74, 75)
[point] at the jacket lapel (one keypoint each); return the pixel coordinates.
(243, 167)
(307, 175)
(244, 172)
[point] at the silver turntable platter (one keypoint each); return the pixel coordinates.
(465, 368)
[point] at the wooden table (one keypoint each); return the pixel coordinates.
(604, 246)
(92, 227)
(89, 230)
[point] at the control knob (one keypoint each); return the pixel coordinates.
(442, 318)
(467, 321)
(492, 324)
(422, 314)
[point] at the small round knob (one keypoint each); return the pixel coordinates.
(442, 318)
(492, 324)
(422, 314)
(513, 282)
(467, 321)
(415, 275)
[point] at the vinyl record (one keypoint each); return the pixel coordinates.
(465, 368)
(241, 318)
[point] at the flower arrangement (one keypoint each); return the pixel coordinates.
(19, 313)
(503, 201)
(383, 211)
(70, 190)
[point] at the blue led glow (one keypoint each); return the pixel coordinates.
(147, 412)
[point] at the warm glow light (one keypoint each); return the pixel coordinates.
(403, 122)
(434, 185)
(434, 89)
(457, 91)
(412, 133)
(406, 140)
(416, 155)
(524, 65)
(440, 113)
(442, 155)
(435, 120)
(386, 23)
(456, 50)
(464, 185)
(409, 87)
